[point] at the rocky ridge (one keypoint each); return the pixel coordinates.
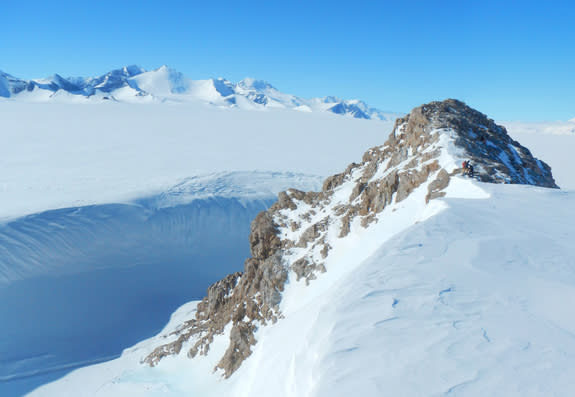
(291, 240)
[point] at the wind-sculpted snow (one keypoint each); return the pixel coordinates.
(78, 285)
(469, 302)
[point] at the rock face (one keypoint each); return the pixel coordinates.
(496, 157)
(293, 236)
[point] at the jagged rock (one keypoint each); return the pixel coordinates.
(284, 201)
(218, 293)
(387, 175)
(345, 224)
(241, 340)
(304, 268)
(332, 182)
(435, 188)
(412, 179)
(312, 233)
(274, 276)
(252, 295)
(378, 194)
(263, 236)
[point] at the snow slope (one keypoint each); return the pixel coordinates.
(468, 301)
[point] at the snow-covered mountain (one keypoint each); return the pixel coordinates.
(134, 84)
(399, 277)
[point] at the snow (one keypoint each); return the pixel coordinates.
(113, 214)
(464, 298)
(60, 155)
(132, 84)
(162, 82)
(99, 197)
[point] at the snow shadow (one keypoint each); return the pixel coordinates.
(79, 285)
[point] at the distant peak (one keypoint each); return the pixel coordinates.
(330, 99)
(254, 84)
(56, 77)
(133, 70)
(223, 86)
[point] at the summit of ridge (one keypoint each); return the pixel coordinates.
(294, 239)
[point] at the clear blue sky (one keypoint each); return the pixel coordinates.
(510, 59)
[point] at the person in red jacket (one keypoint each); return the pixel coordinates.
(467, 168)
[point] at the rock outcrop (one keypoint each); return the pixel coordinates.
(293, 236)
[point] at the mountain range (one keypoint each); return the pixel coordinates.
(135, 84)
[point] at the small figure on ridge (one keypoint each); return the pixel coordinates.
(467, 168)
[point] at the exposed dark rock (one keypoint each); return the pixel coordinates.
(241, 340)
(263, 236)
(435, 188)
(304, 268)
(496, 157)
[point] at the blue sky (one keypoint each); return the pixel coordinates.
(510, 59)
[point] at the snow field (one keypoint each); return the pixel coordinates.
(61, 155)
